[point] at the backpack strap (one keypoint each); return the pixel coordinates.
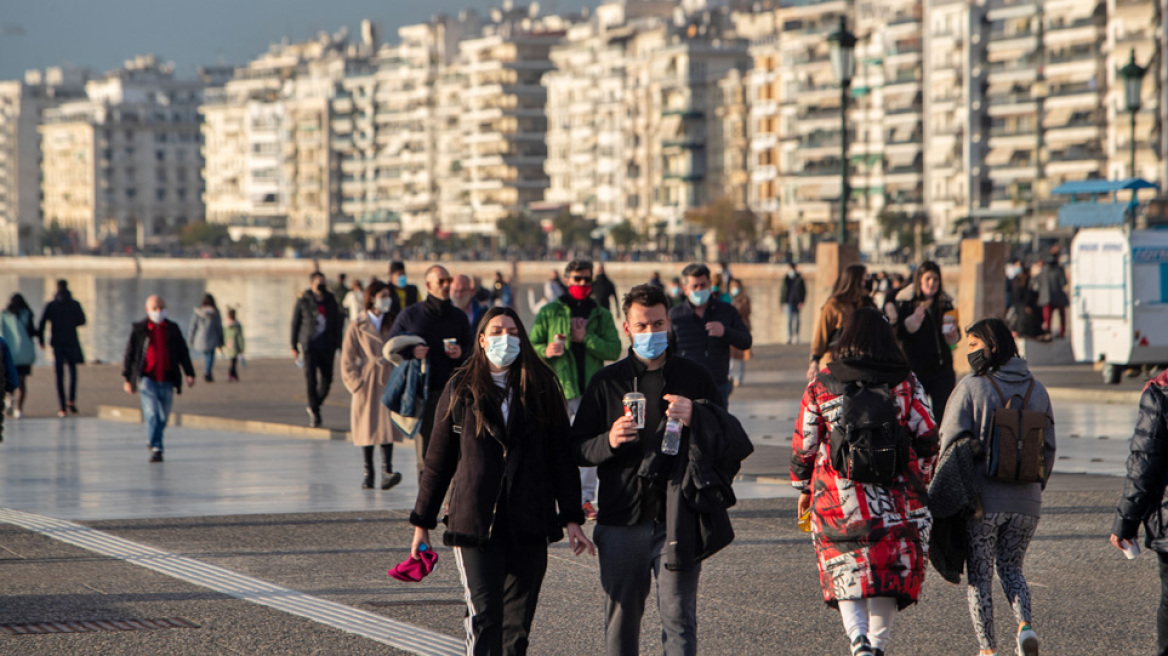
(1005, 402)
(1029, 390)
(456, 416)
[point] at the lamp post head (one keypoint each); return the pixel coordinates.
(843, 53)
(1133, 82)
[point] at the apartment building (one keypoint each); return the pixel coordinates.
(1137, 26)
(503, 127)
(809, 162)
(763, 126)
(956, 123)
(22, 103)
(686, 135)
(124, 166)
(586, 119)
(1045, 87)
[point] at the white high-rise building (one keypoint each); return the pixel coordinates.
(1137, 26)
(273, 144)
(22, 103)
(124, 166)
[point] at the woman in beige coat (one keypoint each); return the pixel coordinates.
(366, 373)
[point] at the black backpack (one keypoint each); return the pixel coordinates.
(868, 442)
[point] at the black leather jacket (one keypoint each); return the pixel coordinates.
(1147, 472)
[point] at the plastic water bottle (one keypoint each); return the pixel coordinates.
(672, 440)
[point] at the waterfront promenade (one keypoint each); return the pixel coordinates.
(269, 546)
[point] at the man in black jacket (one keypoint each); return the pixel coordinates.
(630, 531)
(706, 328)
(65, 315)
(1144, 493)
(435, 320)
(317, 330)
(603, 291)
(793, 295)
(156, 359)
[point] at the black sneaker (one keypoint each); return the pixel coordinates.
(861, 647)
(313, 418)
(390, 479)
(155, 456)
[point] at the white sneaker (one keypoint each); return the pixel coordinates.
(17, 414)
(1027, 640)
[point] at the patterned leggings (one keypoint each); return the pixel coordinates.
(1001, 539)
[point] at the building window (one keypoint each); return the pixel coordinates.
(161, 195)
(160, 155)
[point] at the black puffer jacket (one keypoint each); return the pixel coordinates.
(1147, 472)
(530, 471)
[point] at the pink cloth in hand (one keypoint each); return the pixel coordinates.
(412, 571)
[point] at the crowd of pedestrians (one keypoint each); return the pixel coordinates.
(524, 434)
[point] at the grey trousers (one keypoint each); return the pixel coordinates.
(630, 558)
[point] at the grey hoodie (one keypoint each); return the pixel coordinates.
(971, 407)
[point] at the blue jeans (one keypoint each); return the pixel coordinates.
(156, 401)
(792, 323)
(208, 362)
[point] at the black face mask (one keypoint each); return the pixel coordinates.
(978, 361)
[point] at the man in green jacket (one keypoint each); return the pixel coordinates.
(575, 336)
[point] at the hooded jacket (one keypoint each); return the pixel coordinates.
(971, 408)
(1143, 498)
(205, 331)
(870, 540)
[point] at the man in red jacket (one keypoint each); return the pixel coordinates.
(155, 354)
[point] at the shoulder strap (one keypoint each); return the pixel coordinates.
(1029, 390)
(456, 416)
(990, 378)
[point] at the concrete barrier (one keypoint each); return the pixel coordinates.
(134, 416)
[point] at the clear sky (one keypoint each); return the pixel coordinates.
(101, 34)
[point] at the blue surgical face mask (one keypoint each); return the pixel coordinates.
(650, 346)
(401, 280)
(675, 291)
(699, 297)
(502, 349)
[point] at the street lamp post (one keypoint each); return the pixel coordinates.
(843, 63)
(1133, 82)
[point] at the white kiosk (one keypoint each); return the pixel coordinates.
(1119, 298)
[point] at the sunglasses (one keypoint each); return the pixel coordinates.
(445, 281)
(582, 279)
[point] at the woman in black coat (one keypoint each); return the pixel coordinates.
(500, 443)
(926, 326)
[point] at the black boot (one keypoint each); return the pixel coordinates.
(389, 477)
(368, 482)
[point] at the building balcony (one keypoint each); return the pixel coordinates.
(1012, 172)
(1011, 104)
(690, 112)
(683, 143)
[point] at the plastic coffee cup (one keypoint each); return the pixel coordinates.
(635, 408)
(1131, 549)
